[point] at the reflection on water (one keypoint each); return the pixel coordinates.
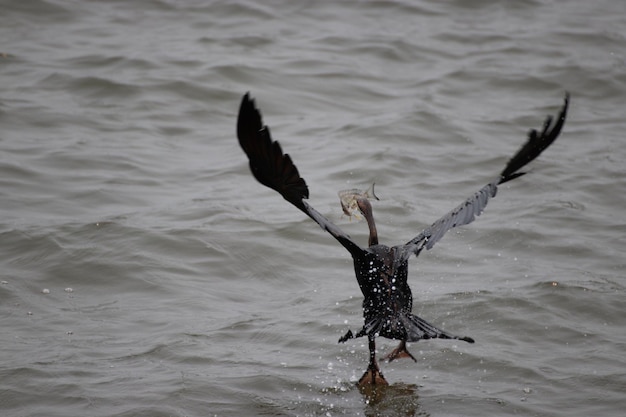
(397, 399)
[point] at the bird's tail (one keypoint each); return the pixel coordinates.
(418, 328)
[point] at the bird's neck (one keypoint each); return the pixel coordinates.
(366, 209)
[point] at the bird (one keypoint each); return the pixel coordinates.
(381, 271)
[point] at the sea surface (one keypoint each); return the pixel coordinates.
(144, 272)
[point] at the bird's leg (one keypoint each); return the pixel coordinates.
(372, 376)
(400, 352)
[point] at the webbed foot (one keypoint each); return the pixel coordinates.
(372, 376)
(400, 352)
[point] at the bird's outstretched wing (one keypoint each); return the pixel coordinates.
(274, 169)
(466, 212)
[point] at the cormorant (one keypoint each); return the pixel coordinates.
(381, 271)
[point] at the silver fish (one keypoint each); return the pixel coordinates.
(348, 199)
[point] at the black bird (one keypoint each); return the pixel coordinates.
(381, 271)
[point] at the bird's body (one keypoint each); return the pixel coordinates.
(388, 301)
(381, 271)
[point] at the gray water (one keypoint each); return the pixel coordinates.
(144, 272)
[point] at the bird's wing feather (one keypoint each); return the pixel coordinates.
(467, 211)
(274, 169)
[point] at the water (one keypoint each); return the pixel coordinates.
(178, 286)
